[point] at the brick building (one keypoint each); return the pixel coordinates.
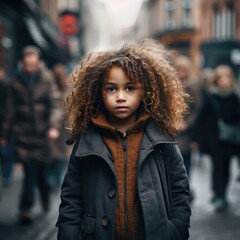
(220, 33)
(208, 31)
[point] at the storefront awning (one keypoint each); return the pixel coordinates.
(45, 35)
(36, 33)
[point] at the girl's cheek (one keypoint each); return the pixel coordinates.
(104, 95)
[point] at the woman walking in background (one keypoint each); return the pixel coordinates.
(220, 102)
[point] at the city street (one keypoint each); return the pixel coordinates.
(42, 227)
(206, 225)
(56, 59)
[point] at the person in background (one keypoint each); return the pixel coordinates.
(206, 82)
(223, 95)
(125, 178)
(33, 115)
(60, 151)
(6, 151)
(3, 90)
(238, 162)
(238, 93)
(190, 84)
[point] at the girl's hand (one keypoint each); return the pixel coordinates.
(53, 133)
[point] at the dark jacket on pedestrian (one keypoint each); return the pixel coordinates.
(3, 97)
(88, 205)
(32, 108)
(206, 126)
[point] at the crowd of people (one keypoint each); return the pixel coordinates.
(32, 128)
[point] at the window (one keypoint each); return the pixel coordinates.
(169, 6)
(217, 24)
(224, 23)
(186, 13)
(230, 23)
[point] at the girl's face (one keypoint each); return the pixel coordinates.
(224, 81)
(121, 98)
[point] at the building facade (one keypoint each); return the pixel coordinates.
(176, 23)
(29, 22)
(208, 31)
(220, 33)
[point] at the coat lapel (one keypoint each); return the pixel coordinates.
(91, 143)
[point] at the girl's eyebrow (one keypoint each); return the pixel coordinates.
(114, 83)
(109, 83)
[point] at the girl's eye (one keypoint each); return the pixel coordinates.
(111, 89)
(130, 89)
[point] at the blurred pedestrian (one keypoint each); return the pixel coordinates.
(185, 74)
(6, 151)
(3, 90)
(238, 156)
(220, 100)
(206, 82)
(238, 162)
(33, 115)
(60, 151)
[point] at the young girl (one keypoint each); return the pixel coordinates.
(126, 178)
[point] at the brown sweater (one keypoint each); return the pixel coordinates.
(114, 141)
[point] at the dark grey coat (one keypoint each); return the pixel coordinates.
(90, 190)
(32, 107)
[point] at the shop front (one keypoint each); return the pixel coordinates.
(21, 25)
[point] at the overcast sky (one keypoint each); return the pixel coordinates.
(122, 13)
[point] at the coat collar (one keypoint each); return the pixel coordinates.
(91, 143)
(156, 134)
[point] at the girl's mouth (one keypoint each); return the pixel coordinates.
(121, 109)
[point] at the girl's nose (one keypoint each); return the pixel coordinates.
(121, 96)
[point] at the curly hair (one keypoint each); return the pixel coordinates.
(147, 63)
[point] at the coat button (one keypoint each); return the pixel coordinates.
(111, 193)
(105, 221)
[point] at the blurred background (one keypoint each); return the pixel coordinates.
(207, 32)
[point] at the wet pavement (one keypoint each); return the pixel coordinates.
(205, 223)
(42, 227)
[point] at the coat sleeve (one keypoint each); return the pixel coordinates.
(9, 114)
(70, 210)
(180, 209)
(199, 126)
